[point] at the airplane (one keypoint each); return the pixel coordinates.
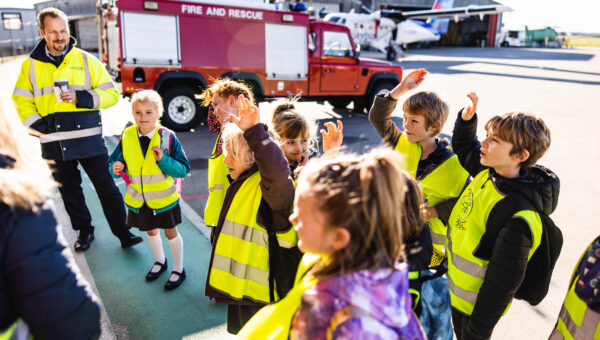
(387, 29)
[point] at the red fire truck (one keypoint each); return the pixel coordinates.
(179, 47)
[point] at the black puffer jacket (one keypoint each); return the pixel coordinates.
(508, 250)
(37, 282)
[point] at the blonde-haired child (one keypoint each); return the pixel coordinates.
(152, 156)
(253, 223)
(350, 213)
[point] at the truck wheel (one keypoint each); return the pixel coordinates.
(380, 88)
(339, 102)
(391, 53)
(182, 110)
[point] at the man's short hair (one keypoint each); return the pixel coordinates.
(524, 131)
(53, 13)
(428, 105)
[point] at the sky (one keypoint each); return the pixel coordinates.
(567, 16)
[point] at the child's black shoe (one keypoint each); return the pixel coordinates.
(151, 276)
(170, 285)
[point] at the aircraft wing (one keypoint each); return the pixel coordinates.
(446, 12)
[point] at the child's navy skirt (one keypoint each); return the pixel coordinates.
(146, 220)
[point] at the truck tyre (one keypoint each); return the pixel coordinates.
(182, 110)
(339, 102)
(391, 53)
(380, 88)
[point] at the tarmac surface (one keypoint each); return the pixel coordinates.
(560, 85)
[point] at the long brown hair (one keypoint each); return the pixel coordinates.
(365, 195)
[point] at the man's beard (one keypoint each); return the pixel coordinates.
(59, 48)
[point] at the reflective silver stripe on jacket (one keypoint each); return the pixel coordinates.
(589, 324)
(246, 233)
(438, 238)
(106, 86)
(86, 71)
(461, 293)
(32, 119)
(150, 195)
(59, 136)
(22, 92)
(147, 179)
(216, 187)
(240, 270)
(95, 98)
(465, 265)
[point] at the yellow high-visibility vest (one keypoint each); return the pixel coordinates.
(148, 183)
(240, 265)
(217, 186)
(443, 183)
(576, 320)
(274, 321)
(466, 226)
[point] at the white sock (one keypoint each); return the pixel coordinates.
(156, 245)
(177, 250)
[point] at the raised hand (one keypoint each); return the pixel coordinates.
(248, 114)
(410, 82)
(117, 167)
(332, 136)
(469, 112)
(428, 212)
(157, 152)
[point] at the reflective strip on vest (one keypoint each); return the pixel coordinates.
(66, 135)
(16, 331)
(23, 92)
(240, 270)
(106, 86)
(147, 179)
(461, 293)
(32, 119)
(242, 247)
(148, 183)
(438, 239)
(217, 186)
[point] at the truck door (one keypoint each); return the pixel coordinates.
(339, 67)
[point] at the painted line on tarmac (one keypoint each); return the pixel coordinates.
(185, 208)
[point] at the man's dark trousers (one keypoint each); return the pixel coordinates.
(68, 177)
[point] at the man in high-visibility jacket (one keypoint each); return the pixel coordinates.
(579, 317)
(68, 123)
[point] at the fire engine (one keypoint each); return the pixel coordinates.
(179, 47)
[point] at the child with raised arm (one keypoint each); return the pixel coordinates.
(253, 223)
(221, 99)
(352, 283)
(151, 155)
(427, 158)
(297, 136)
(487, 263)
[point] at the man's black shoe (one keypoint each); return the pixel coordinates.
(84, 240)
(130, 240)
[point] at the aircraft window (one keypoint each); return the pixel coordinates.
(334, 19)
(312, 41)
(343, 21)
(337, 44)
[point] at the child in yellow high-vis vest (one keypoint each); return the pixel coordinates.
(350, 214)
(152, 157)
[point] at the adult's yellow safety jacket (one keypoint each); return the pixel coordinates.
(239, 266)
(442, 183)
(217, 186)
(491, 242)
(576, 320)
(148, 182)
(70, 131)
